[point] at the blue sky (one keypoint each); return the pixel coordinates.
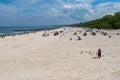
(52, 12)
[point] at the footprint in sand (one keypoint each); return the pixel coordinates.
(89, 52)
(81, 52)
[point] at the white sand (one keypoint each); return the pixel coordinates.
(34, 57)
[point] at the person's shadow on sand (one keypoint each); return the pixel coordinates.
(96, 57)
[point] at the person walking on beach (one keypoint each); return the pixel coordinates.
(99, 53)
(79, 38)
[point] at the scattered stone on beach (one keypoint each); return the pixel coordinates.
(118, 33)
(61, 31)
(93, 33)
(55, 33)
(75, 33)
(104, 33)
(88, 30)
(45, 34)
(84, 34)
(2, 36)
(109, 36)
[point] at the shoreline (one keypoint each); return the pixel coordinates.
(26, 31)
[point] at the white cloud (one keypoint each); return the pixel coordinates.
(67, 6)
(54, 12)
(106, 8)
(66, 11)
(76, 6)
(90, 12)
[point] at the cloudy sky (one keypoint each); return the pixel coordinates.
(50, 12)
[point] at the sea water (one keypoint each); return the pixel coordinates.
(16, 30)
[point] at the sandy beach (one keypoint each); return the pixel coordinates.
(34, 57)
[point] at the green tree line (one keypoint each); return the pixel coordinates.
(106, 22)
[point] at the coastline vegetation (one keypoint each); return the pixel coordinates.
(106, 22)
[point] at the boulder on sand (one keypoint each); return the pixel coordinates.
(84, 34)
(75, 33)
(56, 33)
(104, 33)
(93, 33)
(45, 34)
